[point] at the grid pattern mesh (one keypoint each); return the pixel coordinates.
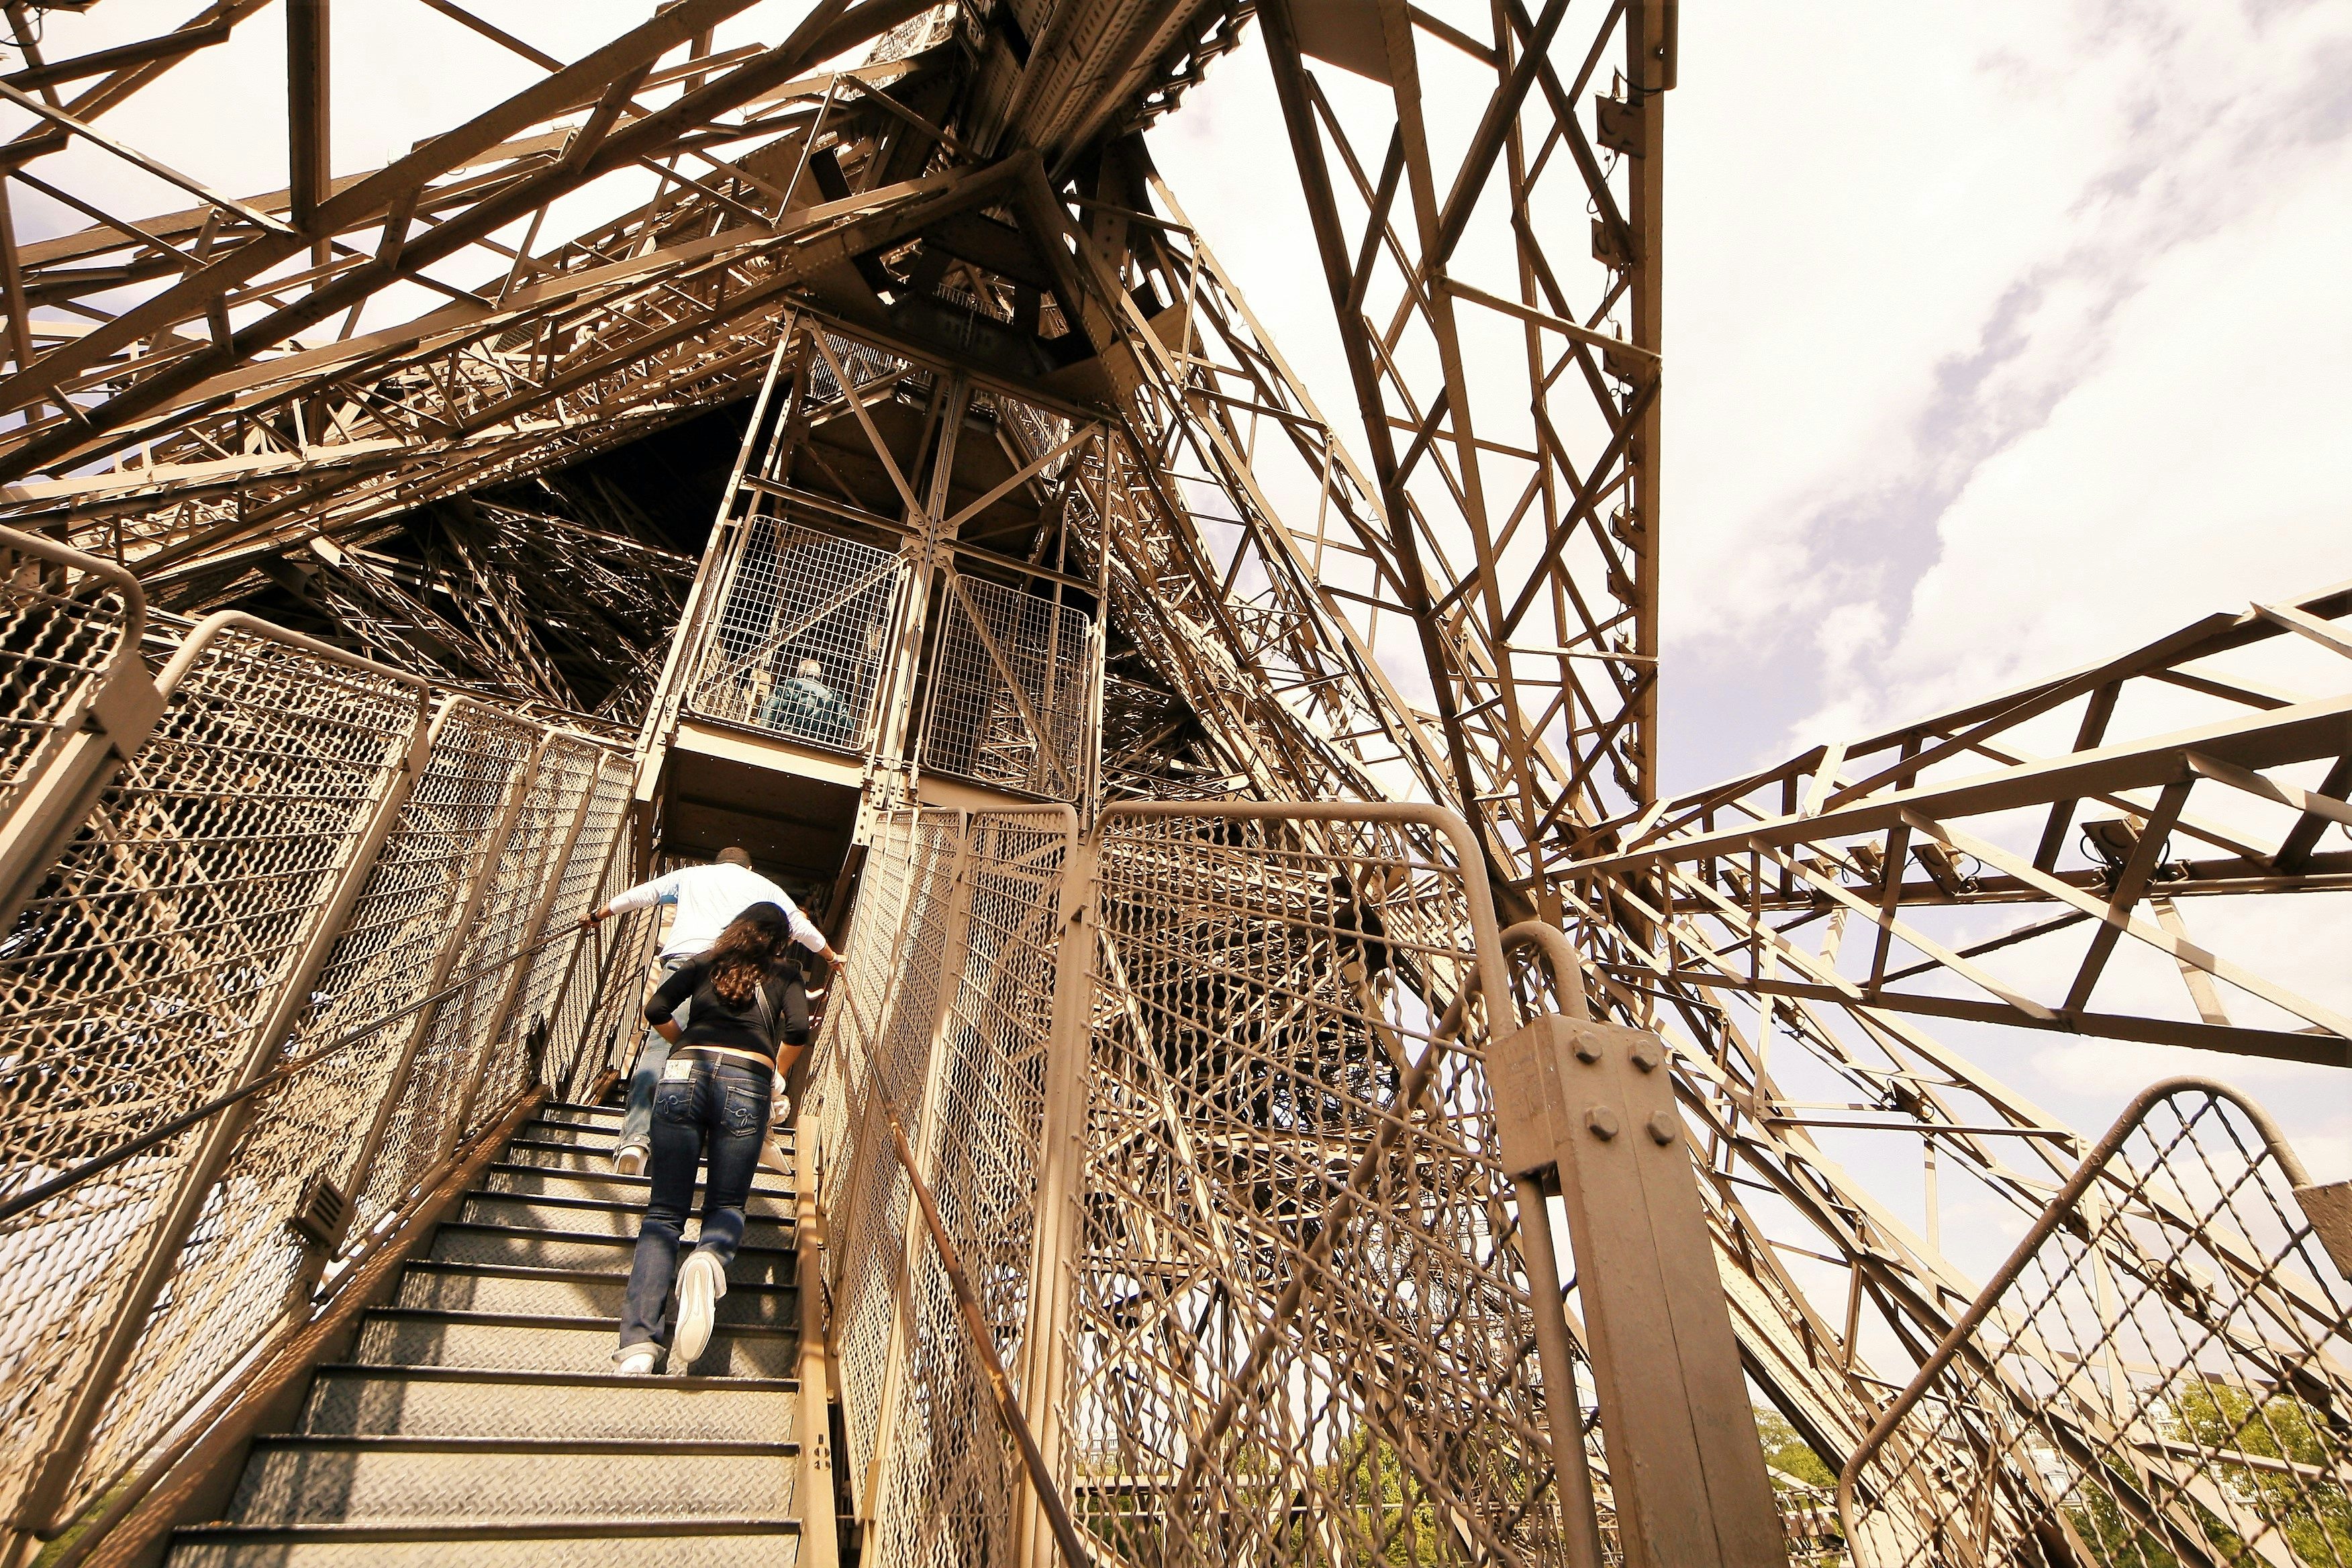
(951, 1477)
(1010, 694)
(146, 963)
(160, 944)
(896, 957)
(1302, 1328)
(61, 628)
(793, 594)
(2160, 1375)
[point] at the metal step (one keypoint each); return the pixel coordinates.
(601, 1217)
(531, 1246)
(574, 1543)
(562, 1111)
(598, 1161)
(604, 1134)
(771, 1196)
(404, 1336)
(459, 1402)
(487, 1482)
(572, 1293)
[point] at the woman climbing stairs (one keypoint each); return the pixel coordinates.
(480, 1420)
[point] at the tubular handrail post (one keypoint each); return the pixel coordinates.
(453, 945)
(552, 886)
(44, 1504)
(102, 729)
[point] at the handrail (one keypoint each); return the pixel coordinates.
(2093, 1167)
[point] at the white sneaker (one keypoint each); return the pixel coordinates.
(700, 1283)
(629, 1160)
(636, 1360)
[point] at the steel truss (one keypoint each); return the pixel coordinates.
(205, 398)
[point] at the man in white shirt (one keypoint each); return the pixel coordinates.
(704, 899)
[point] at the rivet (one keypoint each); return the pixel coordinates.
(1602, 1122)
(1588, 1049)
(1646, 1055)
(1663, 1128)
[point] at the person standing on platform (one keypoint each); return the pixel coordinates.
(705, 899)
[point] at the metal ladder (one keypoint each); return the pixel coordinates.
(479, 1419)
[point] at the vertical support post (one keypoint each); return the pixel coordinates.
(45, 1501)
(1650, 28)
(929, 556)
(954, 949)
(308, 161)
(1044, 1367)
(452, 944)
(551, 876)
(1593, 1104)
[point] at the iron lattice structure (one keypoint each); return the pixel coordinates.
(909, 237)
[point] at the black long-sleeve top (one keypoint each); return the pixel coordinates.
(716, 1021)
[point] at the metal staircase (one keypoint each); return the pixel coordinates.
(479, 1418)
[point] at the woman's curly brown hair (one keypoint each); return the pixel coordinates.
(750, 946)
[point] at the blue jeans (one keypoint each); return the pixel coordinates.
(636, 1121)
(720, 1110)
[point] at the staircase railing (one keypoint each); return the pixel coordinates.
(1206, 1098)
(2160, 1372)
(289, 951)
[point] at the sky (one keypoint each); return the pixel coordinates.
(1999, 335)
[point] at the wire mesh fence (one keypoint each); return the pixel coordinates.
(1302, 1328)
(2159, 1374)
(283, 872)
(946, 1493)
(66, 622)
(800, 635)
(1010, 691)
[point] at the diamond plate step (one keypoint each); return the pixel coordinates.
(458, 1401)
(404, 1336)
(494, 1481)
(772, 1197)
(601, 1217)
(574, 1293)
(531, 1246)
(575, 1543)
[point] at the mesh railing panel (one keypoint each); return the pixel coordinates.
(60, 629)
(600, 990)
(161, 942)
(791, 595)
(947, 1492)
(1009, 689)
(1247, 1381)
(899, 945)
(145, 962)
(515, 1055)
(2161, 1375)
